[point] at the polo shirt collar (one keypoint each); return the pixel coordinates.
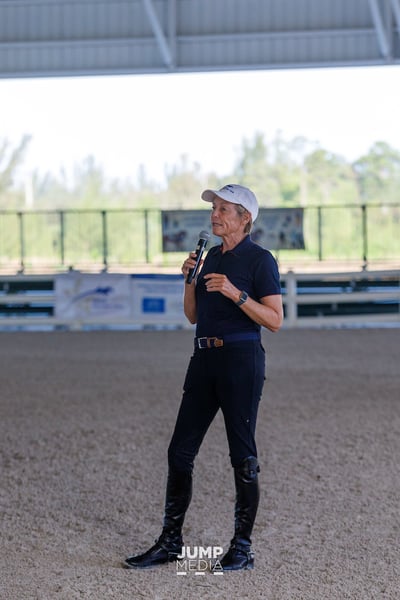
(241, 247)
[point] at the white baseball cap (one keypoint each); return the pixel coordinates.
(237, 194)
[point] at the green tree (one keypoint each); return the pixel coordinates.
(10, 160)
(378, 174)
(287, 168)
(253, 169)
(274, 171)
(330, 178)
(90, 184)
(185, 181)
(51, 191)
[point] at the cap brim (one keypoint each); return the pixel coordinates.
(208, 195)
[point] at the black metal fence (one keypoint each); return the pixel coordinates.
(108, 239)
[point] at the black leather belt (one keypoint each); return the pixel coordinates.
(229, 338)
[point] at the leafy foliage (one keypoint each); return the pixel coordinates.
(296, 172)
(10, 160)
(281, 172)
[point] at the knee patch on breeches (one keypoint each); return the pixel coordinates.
(247, 471)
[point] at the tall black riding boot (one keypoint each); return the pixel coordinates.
(239, 555)
(169, 544)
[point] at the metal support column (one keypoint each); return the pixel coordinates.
(147, 236)
(396, 12)
(159, 34)
(21, 242)
(319, 233)
(62, 237)
(104, 239)
(381, 32)
(364, 235)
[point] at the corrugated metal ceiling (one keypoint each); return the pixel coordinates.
(94, 37)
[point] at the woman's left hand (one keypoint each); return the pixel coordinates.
(217, 282)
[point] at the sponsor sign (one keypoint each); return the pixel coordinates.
(157, 299)
(82, 295)
(274, 228)
(279, 229)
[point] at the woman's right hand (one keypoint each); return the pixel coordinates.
(189, 264)
(189, 296)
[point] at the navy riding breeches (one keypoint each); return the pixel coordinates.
(229, 378)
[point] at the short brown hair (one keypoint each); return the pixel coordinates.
(241, 210)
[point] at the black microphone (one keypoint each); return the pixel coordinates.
(204, 236)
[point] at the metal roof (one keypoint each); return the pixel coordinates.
(44, 38)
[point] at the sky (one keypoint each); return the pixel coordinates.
(127, 122)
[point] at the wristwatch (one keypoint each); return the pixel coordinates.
(242, 298)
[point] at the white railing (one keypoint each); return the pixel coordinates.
(293, 298)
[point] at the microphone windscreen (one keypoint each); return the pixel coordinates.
(204, 235)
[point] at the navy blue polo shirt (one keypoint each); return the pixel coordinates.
(250, 268)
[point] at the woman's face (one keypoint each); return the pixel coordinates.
(225, 219)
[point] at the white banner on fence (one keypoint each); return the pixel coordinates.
(158, 299)
(82, 295)
(275, 229)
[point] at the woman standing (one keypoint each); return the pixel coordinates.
(236, 293)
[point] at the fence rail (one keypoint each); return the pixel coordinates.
(122, 238)
(318, 300)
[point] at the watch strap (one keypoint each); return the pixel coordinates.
(242, 298)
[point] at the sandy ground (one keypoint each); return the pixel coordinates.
(85, 422)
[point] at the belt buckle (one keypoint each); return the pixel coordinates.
(200, 341)
(209, 342)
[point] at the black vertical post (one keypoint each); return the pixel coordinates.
(105, 248)
(320, 233)
(62, 237)
(21, 242)
(147, 236)
(364, 235)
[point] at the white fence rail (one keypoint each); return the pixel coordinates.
(295, 297)
(375, 296)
